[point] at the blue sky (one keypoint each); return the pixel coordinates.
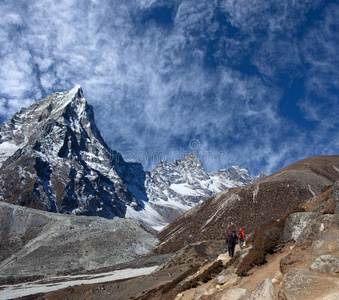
(250, 83)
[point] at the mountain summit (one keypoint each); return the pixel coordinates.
(54, 158)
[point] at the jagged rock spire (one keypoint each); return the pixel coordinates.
(59, 162)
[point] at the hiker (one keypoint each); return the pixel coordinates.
(241, 238)
(231, 240)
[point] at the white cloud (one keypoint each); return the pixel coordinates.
(150, 86)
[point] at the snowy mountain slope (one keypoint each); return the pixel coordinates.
(53, 157)
(174, 188)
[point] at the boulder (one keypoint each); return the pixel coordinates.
(325, 243)
(221, 279)
(199, 293)
(264, 291)
(328, 264)
(235, 294)
(323, 223)
(277, 277)
(296, 223)
(227, 278)
(336, 196)
(301, 284)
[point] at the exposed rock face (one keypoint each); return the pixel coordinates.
(250, 206)
(313, 227)
(296, 223)
(325, 243)
(336, 192)
(62, 164)
(320, 280)
(35, 242)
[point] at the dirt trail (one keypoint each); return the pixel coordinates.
(267, 270)
(189, 294)
(249, 283)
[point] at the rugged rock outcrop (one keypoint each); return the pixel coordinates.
(296, 223)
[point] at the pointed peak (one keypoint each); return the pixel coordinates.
(191, 157)
(77, 91)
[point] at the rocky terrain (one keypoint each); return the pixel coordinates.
(296, 257)
(53, 158)
(252, 205)
(36, 244)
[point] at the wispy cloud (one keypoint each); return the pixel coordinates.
(212, 74)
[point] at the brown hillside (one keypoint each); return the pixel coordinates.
(253, 205)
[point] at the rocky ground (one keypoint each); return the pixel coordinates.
(296, 257)
(35, 244)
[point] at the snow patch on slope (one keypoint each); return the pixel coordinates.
(183, 189)
(7, 149)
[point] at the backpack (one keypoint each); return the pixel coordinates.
(231, 239)
(240, 236)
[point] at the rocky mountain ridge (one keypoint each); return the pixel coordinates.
(174, 188)
(252, 205)
(53, 157)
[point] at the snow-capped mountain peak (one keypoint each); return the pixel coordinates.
(59, 162)
(53, 157)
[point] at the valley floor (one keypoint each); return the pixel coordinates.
(61, 282)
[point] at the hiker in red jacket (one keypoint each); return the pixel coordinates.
(241, 238)
(231, 240)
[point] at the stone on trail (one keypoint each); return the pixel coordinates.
(264, 291)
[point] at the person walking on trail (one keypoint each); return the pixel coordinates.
(241, 238)
(231, 240)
